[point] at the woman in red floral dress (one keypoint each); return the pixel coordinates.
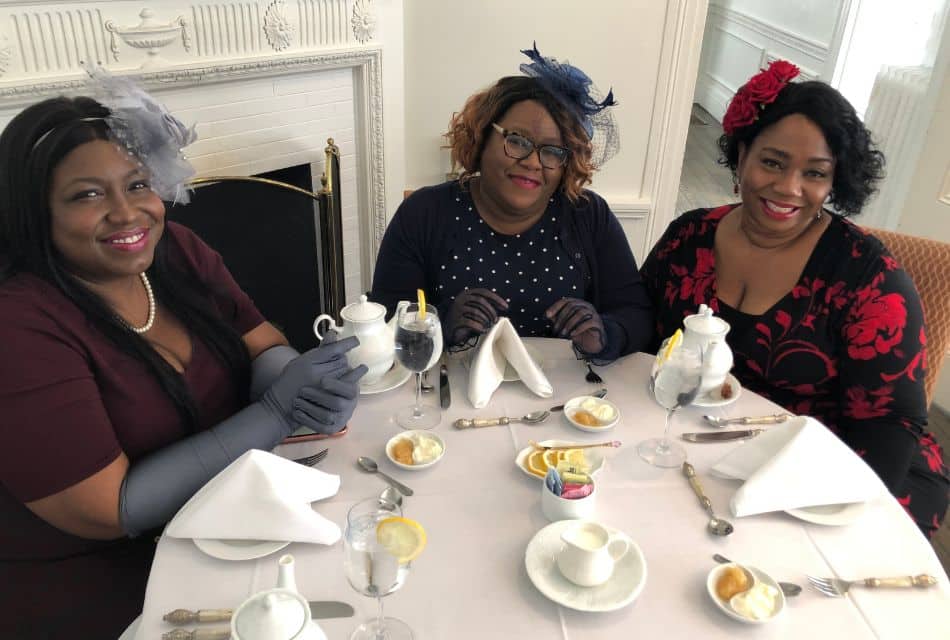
(824, 321)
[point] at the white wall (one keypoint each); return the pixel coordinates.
(456, 47)
(742, 35)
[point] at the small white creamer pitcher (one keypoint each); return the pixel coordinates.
(276, 614)
(590, 553)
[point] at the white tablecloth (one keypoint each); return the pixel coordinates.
(480, 511)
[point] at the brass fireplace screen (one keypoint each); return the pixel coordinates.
(282, 242)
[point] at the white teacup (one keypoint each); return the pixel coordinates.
(557, 508)
(589, 553)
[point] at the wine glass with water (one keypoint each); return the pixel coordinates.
(371, 569)
(675, 384)
(418, 347)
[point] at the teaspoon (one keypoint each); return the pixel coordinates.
(390, 499)
(532, 418)
(790, 589)
(716, 526)
(368, 464)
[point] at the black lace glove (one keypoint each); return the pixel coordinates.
(473, 313)
(578, 321)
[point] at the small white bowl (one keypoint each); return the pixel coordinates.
(422, 434)
(759, 576)
(574, 404)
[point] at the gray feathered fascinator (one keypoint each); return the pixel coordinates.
(576, 91)
(146, 128)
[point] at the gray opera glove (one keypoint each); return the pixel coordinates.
(327, 407)
(156, 486)
(266, 368)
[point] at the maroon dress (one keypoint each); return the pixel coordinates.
(846, 345)
(70, 402)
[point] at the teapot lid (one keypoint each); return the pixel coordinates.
(363, 311)
(704, 322)
(278, 614)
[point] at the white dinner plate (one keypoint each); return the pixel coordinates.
(830, 514)
(626, 583)
(594, 456)
(239, 549)
(395, 377)
(713, 399)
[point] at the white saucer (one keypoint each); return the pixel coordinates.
(395, 377)
(594, 456)
(239, 549)
(630, 573)
(713, 399)
(830, 514)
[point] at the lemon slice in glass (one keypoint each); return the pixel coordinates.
(421, 295)
(674, 341)
(401, 537)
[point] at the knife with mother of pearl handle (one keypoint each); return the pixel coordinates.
(318, 609)
(721, 436)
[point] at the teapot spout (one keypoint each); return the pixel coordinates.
(285, 573)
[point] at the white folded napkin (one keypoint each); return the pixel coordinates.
(797, 464)
(503, 345)
(260, 496)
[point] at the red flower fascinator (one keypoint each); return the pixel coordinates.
(760, 90)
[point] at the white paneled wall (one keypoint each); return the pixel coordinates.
(743, 37)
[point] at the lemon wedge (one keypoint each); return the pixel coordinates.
(674, 342)
(536, 463)
(421, 295)
(401, 537)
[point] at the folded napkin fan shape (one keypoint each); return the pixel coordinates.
(260, 496)
(500, 345)
(797, 464)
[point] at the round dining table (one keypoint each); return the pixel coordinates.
(480, 511)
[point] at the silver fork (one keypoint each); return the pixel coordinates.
(836, 587)
(309, 461)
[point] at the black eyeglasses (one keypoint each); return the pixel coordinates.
(518, 147)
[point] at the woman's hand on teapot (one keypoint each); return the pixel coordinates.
(578, 321)
(473, 313)
(308, 370)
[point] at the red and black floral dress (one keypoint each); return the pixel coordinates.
(846, 345)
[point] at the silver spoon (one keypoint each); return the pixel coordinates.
(600, 393)
(790, 589)
(532, 418)
(716, 526)
(390, 499)
(368, 464)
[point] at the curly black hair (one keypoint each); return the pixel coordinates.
(858, 164)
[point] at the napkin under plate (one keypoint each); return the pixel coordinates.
(260, 496)
(499, 346)
(797, 464)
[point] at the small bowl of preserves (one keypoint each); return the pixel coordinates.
(416, 449)
(589, 413)
(745, 593)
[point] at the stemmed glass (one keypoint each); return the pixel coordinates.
(371, 569)
(675, 383)
(418, 347)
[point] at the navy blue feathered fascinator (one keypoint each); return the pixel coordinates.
(576, 91)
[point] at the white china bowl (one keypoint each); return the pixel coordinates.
(726, 608)
(422, 434)
(574, 404)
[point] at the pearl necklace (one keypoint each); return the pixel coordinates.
(151, 307)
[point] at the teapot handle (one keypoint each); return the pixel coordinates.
(321, 318)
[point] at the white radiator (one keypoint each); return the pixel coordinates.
(893, 109)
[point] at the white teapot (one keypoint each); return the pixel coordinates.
(708, 333)
(367, 321)
(276, 614)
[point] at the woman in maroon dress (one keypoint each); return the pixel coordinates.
(824, 321)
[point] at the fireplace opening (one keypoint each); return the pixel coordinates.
(269, 238)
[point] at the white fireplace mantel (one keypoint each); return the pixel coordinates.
(202, 45)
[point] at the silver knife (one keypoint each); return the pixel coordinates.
(445, 394)
(721, 436)
(774, 419)
(319, 609)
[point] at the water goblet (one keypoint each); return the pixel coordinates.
(371, 569)
(418, 347)
(675, 383)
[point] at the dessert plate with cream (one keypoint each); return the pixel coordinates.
(415, 449)
(589, 413)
